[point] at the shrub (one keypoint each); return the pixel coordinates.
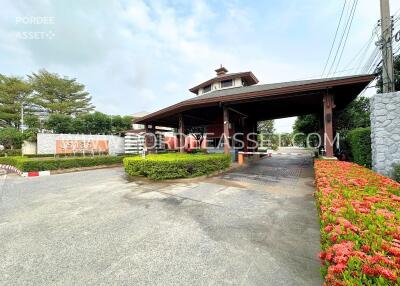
(396, 171)
(10, 152)
(11, 138)
(171, 166)
(360, 146)
(26, 164)
(360, 219)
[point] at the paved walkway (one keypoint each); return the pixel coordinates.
(254, 226)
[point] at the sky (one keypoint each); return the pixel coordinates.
(135, 56)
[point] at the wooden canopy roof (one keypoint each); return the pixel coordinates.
(262, 102)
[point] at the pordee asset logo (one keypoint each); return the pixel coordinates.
(35, 27)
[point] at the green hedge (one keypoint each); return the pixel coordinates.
(396, 171)
(46, 164)
(171, 166)
(10, 152)
(360, 145)
(64, 155)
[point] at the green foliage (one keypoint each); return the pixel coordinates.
(26, 164)
(60, 123)
(198, 133)
(89, 123)
(95, 123)
(355, 115)
(14, 92)
(170, 166)
(266, 126)
(11, 138)
(305, 124)
(360, 145)
(58, 94)
(396, 171)
(32, 121)
(10, 152)
(396, 67)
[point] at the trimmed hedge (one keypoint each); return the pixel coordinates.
(64, 155)
(46, 164)
(172, 166)
(360, 145)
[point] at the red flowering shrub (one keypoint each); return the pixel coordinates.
(360, 225)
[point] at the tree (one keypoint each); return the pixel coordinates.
(58, 94)
(14, 93)
(11, 138)
(396, 67)
(266, 126)
(305, 124)
(354, 115)
(197, 132)
(120, 123)
(96, 123)
(60, 123)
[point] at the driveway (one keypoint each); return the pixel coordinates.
(252, 226)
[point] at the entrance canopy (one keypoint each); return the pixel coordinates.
(262, 102)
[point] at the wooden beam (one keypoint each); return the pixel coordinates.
(226, 129)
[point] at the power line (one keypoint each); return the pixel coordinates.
(334, 38)
(345, 35)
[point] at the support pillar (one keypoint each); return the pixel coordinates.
(245, 134)
(181, 136)
(328, 126)
(149, 138)
(226, 130)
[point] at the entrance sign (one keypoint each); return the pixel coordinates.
(81, 146)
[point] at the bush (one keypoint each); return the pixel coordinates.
(61, 155)
(171, 166)
(26, 164)
(360, 218)
(396, 171)
(360, 146)
(11, 138)
(10, 152)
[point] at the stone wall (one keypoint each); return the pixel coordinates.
(385, 132)
(46, 143)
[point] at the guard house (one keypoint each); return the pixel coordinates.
(234, 102)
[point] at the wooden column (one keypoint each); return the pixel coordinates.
(149, 139)
(328, 126)
(181, 137)
(226, 130)
(245, 134)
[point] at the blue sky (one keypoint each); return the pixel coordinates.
(144, 55)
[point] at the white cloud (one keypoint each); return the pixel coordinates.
(144, 55)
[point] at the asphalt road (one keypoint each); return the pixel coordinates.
(253, 226)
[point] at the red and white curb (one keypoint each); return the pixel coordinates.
(10, 169)
(36, 174)
(24, 174)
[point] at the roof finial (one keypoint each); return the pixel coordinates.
(221, 71)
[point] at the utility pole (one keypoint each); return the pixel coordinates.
(386, 46)
(22, 118)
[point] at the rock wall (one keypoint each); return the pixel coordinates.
(385, 132)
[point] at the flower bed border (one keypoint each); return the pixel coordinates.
(360, 225)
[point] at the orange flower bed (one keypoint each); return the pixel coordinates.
(360, 225)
